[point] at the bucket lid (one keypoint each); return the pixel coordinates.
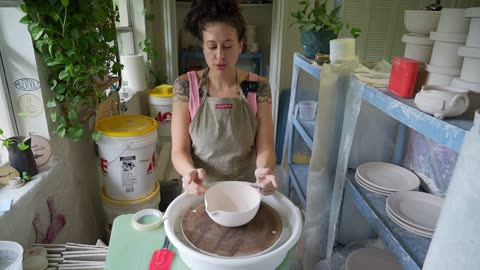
(126, 125)
(162, 91)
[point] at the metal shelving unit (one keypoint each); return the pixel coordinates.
(409, 248)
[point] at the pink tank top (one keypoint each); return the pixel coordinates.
(195, 99)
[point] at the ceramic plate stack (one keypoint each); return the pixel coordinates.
(385, 179)
(415, 211)
(371, 259)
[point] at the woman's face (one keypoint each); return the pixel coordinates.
(221, 46)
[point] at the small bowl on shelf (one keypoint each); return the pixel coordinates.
(421, 22)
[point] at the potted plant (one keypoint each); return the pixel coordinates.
(77, 42)
(318, 27)
(20, 154)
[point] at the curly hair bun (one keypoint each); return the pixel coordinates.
(207, 11)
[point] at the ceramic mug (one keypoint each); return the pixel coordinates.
(442, 101)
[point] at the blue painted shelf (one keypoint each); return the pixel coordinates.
(307, 65)
(449, 133)
(306, 129)
(409, 248)
(299, 174)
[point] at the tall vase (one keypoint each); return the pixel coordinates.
(22, 160)
(314, 42)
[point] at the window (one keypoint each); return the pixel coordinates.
(126, 43)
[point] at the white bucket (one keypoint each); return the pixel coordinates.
(114, 208)
(11, 254)
(160, 105)
(307, 109)
(127, 155)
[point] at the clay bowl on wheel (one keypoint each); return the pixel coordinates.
(232, 203)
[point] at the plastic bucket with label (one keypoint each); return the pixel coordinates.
(160, 105)
(11, 254)
(127, 155)
(114, 208)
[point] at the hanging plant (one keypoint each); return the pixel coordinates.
(77, 41)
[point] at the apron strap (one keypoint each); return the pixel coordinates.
(194, 100)
(252, 96)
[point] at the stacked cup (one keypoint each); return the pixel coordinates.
(469, 78)
(445, 63)
(418, 46)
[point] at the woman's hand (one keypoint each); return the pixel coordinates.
(267, 181)
(192, 182)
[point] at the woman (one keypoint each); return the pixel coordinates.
(221, 122)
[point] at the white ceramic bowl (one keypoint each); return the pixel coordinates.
(442, 101)
(421, 22)
(232, 203)
(196, 260)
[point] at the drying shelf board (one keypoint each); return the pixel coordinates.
(299, 174)
(449, 133)
(306, 129)
(307, 65)
(409, 248)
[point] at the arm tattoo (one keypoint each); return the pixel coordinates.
(264, 93)
(181, 90)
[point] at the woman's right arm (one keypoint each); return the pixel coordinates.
(181, 142)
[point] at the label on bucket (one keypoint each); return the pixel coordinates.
(164, 118)
(129, 172)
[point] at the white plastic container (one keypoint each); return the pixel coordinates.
(127, 155)
(444, 54)
(160, 106)
(307, 109)
(11, 254)
(114, 208)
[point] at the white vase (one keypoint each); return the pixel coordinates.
(471, 64)
(473, 39)
(452, 20)
(472, 86)
(421, 22)
(444, 54)
(417, 47)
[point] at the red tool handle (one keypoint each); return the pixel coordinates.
(161, 259)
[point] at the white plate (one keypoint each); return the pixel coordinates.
(371, 188)
(408, 227)
(406, 222)
(388, 176)
(418, 208)
(371, 259)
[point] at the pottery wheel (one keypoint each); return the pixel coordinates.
(261, 233)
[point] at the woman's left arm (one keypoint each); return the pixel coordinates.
(264, 140)
(265, 176)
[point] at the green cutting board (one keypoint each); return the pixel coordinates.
(131, 249)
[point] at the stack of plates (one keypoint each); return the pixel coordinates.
(371, 259)
(415, 211)
(385, 179)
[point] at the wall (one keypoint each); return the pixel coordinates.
(71, 179)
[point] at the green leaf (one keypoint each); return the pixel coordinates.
(1, 131)
(96, 135)
(22, 114)
(24, 8)
(53, 116)
(65, 3)
(99, 15)
(51, 103)
(64, 74)
(72, 115)
(5, 143)
(22, 146)
(37, 32)
(26, 19)
(61, 131)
